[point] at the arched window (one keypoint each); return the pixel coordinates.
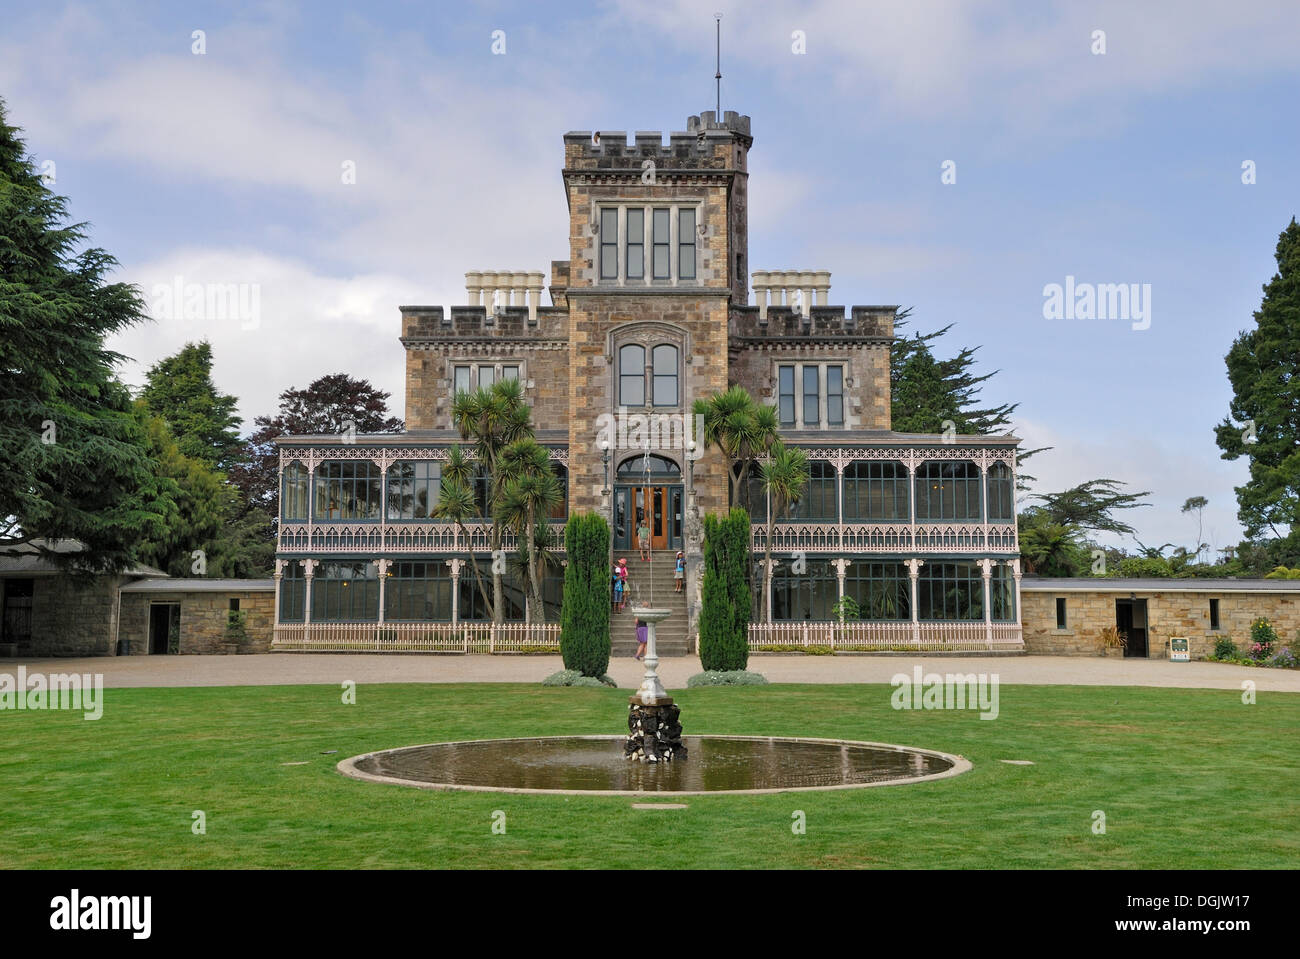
(875, 491)
(293, 493)
(948, 490)
(665, 375)
(1001, 494)
(631, 375)
(561, 512)
(648, 466)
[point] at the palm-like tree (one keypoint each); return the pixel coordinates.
(785, 475)
(491, 419)
(742, 429)
(457, 502)
(529, 492)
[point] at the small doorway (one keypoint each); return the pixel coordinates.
(16, 623)
(1131, 619)
(164, 628)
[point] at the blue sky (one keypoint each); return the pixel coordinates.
(1122, 167)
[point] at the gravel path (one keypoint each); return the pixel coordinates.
(293, 668)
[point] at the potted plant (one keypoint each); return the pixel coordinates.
(1112, 641)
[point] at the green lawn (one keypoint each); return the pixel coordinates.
(1186, 778)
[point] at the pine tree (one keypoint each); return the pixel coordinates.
(180, 390)
(73, 458)
(1264, 416)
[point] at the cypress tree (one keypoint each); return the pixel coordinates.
(584, 613)
(724, 614)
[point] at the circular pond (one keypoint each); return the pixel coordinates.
(595, 764)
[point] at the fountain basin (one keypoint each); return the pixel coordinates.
(594, 765)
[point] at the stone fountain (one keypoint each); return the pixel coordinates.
(653, 721)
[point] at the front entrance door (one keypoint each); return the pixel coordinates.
(165, 628)
(1131, 619)
(657, 507)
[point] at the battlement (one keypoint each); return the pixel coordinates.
(428, 324)
(857, 324)
(706, 143)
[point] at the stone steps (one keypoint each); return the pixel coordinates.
(651, 583)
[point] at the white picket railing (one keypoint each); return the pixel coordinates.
(416, 637)
(867, 636)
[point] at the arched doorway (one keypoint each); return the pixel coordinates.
(648, 488)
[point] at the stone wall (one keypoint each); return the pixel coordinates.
(71, 619)
(860, 341)
(436, 342)
(203, 619)
(1168, 614)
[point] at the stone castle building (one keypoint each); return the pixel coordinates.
(651, 311)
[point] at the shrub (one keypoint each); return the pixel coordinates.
(571, 677)
(1224, 648)
(237, 626)
(584, 613)
(731, 677)
(1285, 659)
(1261, 631)
(724, 613)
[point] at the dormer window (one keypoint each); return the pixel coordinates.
(667, 232)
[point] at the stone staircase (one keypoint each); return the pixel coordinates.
(650, 584)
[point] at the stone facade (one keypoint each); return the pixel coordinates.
(1170, 612)
(203, 618)
(72, 618)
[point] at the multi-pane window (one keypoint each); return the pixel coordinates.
(809, 595)
(1001, 492)
(345, 592)
(561, 511)
(609, 243)
(1002, 595)
(819, 502)
(811, 396)
(949, 491)
(471, 376)
(882, 591)
(635, 244)
(418, 591)
(686, 244)
(661, 240)
(875, 491)
(834, 396)
(293, 493)
(785, 395)
(631, 375)
(948, 592)
(347, 489)
(293, 592)
(665, 375)
(626, 232)
(413, 489)
(803, 388)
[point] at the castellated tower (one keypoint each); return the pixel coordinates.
(658, 253)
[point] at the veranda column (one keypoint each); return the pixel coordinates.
(308, 574)
(840, 566)
(1015, 571)
(913, 572)
(279, 571)
(383, 565)
(772, 564)
(986, 568)
(455, 565)
(838, 465)
(984, 505)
